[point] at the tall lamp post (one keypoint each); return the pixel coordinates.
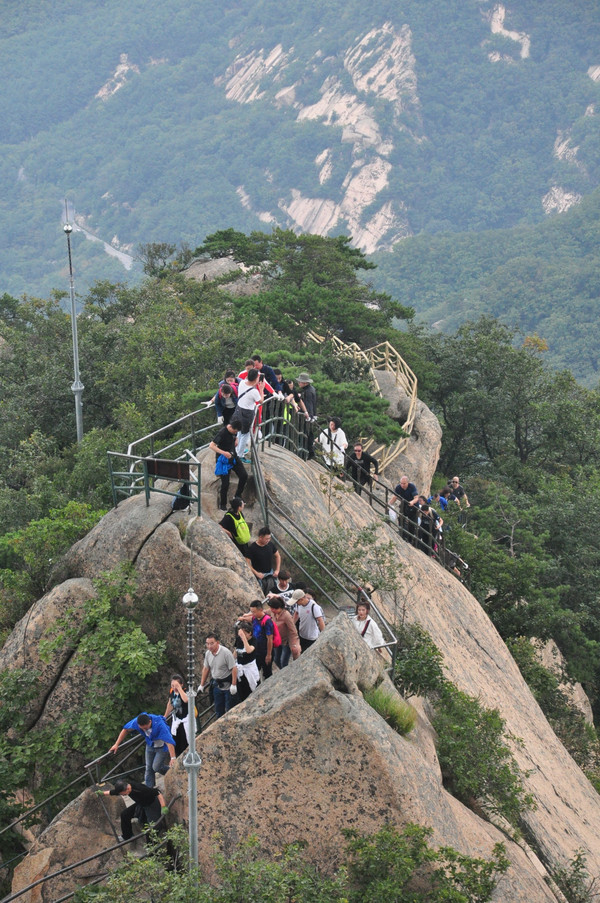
(191, 760)
(77, 387)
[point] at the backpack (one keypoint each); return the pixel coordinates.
(180, 503)
(241, 529)
(276, 634)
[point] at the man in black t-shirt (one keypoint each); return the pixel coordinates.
(406, 493)
(224, 444)
(235, 525)
(148, 804)
(358, 465)
(263, 558)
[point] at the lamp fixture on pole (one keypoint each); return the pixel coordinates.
(77, 386)
(191, 760)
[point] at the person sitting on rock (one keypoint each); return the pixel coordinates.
(148, 805)
(220, 666)
(235, 525)
(264, 560)
(159, 744)
(366, 626)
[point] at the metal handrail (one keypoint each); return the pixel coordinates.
(309, 545)
(292, 436)
(381, 357)
(74, 865)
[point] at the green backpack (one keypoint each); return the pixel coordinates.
(241, 529)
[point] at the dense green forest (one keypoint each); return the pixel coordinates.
(472, 151)
(543, 279)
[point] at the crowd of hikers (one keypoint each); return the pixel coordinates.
(284, 619)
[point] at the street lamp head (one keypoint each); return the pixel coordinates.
(190, 600)
(68, 228)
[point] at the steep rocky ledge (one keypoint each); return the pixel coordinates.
(306, 756)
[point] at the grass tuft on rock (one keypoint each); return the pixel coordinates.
(398, 714)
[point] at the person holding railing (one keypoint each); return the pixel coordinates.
(148, 805)
(429, 525)
(264, 560)
(250, 394)
(358, 466)
(406, 492)
(177, 706)
(308, 405)
(224, 444)
(160, 748)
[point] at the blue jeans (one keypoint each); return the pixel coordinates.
(222, 698)
(281, 655)
(157, 759)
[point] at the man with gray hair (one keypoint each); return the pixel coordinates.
(406, 493)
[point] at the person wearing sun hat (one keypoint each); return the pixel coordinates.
(308, 404)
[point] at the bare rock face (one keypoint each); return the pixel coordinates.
(306, 756)
(476, 659)
(419, 460)
(117, 538)
(22, 648)
(79, 831)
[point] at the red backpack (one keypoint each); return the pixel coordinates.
(276, 634)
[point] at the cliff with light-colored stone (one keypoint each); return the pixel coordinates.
(306, 756)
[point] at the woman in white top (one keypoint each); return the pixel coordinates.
(366, 626)
(334, 443)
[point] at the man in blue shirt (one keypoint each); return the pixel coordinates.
(159, 744)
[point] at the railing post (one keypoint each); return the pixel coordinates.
(146, 483)
(112, 480)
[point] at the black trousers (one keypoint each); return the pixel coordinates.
(240, 471)
(144, 814)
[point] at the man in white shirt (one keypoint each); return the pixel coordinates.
(309, 618)
(250, 394)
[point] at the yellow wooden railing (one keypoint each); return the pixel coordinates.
(381, 357)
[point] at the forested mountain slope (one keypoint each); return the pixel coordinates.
(381, 120)
(543, 279)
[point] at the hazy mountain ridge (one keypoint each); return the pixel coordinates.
(456, 128)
